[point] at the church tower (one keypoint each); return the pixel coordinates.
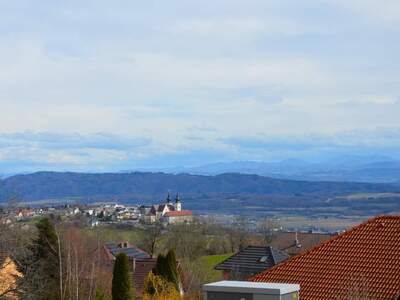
(168, 200)
(178, 204)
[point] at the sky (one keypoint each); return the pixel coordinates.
(121, 85)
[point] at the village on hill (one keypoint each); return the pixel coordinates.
(169, 212)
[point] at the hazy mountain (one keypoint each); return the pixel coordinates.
(229, 193)
(287, 167)
(44, 185)
(348, 168)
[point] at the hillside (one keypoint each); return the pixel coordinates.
(350, 169)
(227, 193)
(45, 185)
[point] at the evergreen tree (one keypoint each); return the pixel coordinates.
(172, 274)
(45, 259)
(160, 268)
(46, 243)
(121, 282)
(167, 269)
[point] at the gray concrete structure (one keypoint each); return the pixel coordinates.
(246, 290)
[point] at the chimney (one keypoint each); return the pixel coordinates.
(123, 245)
(296, 241)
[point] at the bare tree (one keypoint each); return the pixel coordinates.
(238, 233)
(77, 261)
(82, 264)
(187, 239)
(152, 235)
(268, 228)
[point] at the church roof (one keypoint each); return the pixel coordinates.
(179, 213)
(159, 208)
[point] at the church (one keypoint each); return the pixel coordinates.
(168, 213)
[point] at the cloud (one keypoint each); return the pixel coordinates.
(113, 84)
(238, 28)
(51, 150)
(385, 13)
(51, 140)
(314, 148)
(378, 138)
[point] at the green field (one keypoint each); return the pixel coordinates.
(209, 263)
(109, 234)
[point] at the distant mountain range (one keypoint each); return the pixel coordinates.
(349, 168)
(340, 168)
(229, 193)
(46, 185)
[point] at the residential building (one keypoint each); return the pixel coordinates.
(141, 263)
(362, 263)
(133, 252)
(250, 261)
(294, 243)
(142, 269)
(24, 214)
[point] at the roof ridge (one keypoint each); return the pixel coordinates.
(131, 246)
(333, 239)
(386, 217)
(272, 254)
(140, 249)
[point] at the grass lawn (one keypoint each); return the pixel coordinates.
(109, 234)
(212, 260)
(209, 263)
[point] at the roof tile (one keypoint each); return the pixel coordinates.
(249, 261)
(363, 262)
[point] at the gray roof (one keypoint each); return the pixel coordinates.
(251, 287)
(253, 260)
(131, 251)
(159, 208)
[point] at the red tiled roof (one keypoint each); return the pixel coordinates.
(142, 269)
(179, 213)
(362, 263)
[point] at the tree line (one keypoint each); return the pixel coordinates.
(64, 261)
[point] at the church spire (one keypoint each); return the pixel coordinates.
(178, 204)
(168, 199)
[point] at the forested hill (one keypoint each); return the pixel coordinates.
(51, 185)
